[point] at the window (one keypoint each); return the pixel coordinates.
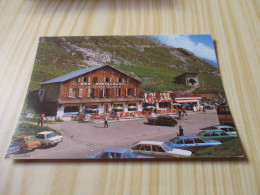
(71, 109)
(118, 92)
(188, 141)
(157, 149)
(214, 133)
(75, 92)
(30, 139)
(119, 80)
(207, 134)
(40, 136)
(130, 92)
(92, 93)
(94, 80)
(107, 93)
(197, 140)
(107, 80)
(222, 133)
(41, 92)
(179, 142)
(85, 80)
(136, 147)
(129, 81)
(51, 135)
(147, 148)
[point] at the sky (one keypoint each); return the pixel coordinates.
(201, 45)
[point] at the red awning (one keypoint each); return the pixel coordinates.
(186, 101)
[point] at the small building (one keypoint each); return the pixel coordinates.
(188, 78)
(101, 87)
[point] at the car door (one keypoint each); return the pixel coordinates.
(145, 149)
(160, 120)
(158, 151)
(189, 144)
(199, 143)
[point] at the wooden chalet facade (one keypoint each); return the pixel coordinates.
(103, 87)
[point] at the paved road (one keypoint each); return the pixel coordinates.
(83, 138)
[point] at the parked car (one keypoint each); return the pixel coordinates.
(162, 120)
(228, 129)
(192, 143)
(49, 138)
(158, 149)
(12, 150)
(208, 106)
(216, 134)
(116, 153)
(26, 142)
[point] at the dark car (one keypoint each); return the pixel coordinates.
(162, 120)
(116, 153)
(192, 143)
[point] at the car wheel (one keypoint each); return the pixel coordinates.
(153, 122)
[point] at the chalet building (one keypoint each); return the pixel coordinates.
(101, 87)
(188, 78)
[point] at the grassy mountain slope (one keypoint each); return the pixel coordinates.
(140, 56)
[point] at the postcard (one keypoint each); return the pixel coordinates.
(125, 97)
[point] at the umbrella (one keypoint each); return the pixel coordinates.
(118, 108)
(150, 107)
(89, 109)
(95, 109)
(185, 104)
(132, 107)
(176, 104)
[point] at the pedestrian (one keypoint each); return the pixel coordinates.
(204, 110)
(41, 119)
(180, 131)
(105, 121)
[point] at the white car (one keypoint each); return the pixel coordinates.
(158, 149)
(49, 138)
(228, 129)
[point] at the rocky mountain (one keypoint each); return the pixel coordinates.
(143, 57)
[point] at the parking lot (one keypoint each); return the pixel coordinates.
(83, 138)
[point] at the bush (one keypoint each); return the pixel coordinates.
(24, 128)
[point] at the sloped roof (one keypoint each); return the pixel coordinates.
(194, 73)
(77, 73)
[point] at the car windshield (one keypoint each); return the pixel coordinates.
(167, 148)
(30, 139)
(129, 154)
(51, 135)
(174, 139)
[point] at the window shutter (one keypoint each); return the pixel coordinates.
(116, 92)
(88, 79)
(122, 80)
(134, 91)
(80, 92)
(104, 79)
(103, 91)
(79, 80)
(126, 92)
(117, 80)
(110, 79)
(89, 92)
(70, 92)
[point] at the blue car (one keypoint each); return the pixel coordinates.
(192, 143)
(116, 153)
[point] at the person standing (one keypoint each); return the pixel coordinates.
(41, 120)
(180, 131)
(105, 121)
